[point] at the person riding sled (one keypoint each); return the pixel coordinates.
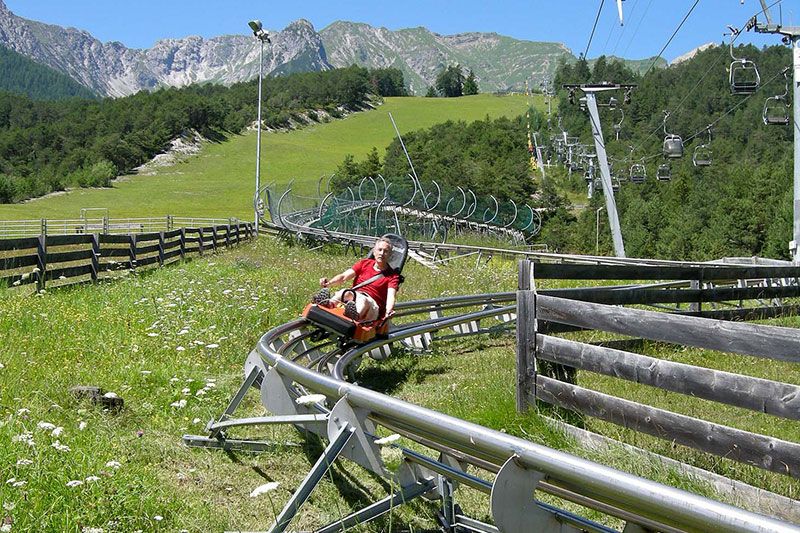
(375, 284)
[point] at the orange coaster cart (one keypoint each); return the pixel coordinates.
(331, 319)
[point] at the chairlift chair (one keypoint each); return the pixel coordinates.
(673, 144)
(776, 111)
(702, 153)
(664, 172)
(702, 156)
(776, 108)
(615, 184)
(743, 74)
(638, 173)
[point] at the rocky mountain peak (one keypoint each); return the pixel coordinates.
(500, 63)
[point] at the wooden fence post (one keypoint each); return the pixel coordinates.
(526, 335)
(200, 241)
(695, 307)
(41, 262)
(183, 243)
(214, 237)
(132, 250)
(161, 248)
(228, 236)
(95, 256)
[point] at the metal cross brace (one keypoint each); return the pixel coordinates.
(313, 478)
(379, 508)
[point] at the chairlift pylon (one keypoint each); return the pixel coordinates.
(776, 108)
(743, 74)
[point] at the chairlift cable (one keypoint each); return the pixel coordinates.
(597, 18)
(636, 31)
(718, 119)
(621, 33)
(678, 107)
(610, 33)
(673, 35)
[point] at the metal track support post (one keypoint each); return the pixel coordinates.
(605, 172)
(313, 478)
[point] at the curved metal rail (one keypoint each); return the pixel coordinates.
(290, 356)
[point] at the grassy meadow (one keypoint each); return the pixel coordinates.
(220, 181)
(171, 342)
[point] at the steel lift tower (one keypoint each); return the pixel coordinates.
(791, 36)
(591, 90)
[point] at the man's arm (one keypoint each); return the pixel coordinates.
(337, 279)
(391, 293)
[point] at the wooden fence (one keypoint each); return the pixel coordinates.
(546, 365)
(66, 259)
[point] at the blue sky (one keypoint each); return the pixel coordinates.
(649, 23)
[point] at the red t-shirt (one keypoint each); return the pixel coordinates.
(378, 289)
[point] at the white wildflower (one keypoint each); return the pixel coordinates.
(158, 518)
(60, 447)
(18, 484)
(173, 379)
(90, 479)
(46, 425)
(9, 506)
(263, 489)
(57, 431)
(180, 349)
(180, 404)
(212, 346)
(2, 366)
(196, 421)
(201, 392)
(309, 399)
(82, 425)
(11, 481)
(186, 390)
(74, 483)
(5, 528)
(113, 464)
(146, 372)
(92, 530)
(152, 334)
(24, 462)
(110, 395)
(24, 411)
(387, 440)
(25, 438)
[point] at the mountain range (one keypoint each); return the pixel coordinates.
(500, 63)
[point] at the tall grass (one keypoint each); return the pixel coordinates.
(172, 343)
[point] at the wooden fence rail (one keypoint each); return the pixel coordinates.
(546, 365)
(89, 256)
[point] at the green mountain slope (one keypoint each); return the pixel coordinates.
(220, 180)
(18, 74)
